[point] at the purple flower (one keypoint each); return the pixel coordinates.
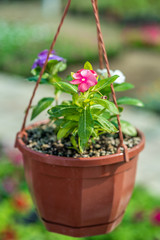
(9, 184)
(138, 216)
(42, 56)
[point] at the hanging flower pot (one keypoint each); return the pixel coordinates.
(80, 196)
(80, 165)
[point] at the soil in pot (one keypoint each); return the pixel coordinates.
(42, 139)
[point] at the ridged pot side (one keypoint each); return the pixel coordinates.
(80, 197)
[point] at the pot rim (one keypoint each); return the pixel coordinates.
(76, 162)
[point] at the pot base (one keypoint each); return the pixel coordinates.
(82, 231)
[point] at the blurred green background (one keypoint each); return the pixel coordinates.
(131, 32)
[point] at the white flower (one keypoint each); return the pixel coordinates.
(102, 72)
(119, 80)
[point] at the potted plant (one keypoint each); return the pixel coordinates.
(80, 164)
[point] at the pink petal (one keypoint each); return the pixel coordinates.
(76, 81)
(91, 83)
(83, 87)
(80, 70)
(86, 73)
(94, 73)
(92, 78)
(77, 75)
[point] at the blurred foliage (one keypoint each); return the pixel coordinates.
(20, 44)
(151, 95)
(120, 8)
(146, 36)
(18, 219)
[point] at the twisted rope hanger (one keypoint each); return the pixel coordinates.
(101, 43)
(45, 64)
(102, 53)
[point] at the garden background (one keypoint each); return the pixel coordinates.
(132, 36)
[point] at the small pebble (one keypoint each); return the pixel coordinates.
(103, 153)
(43, 139)
(97, 146)
(32, 144)
(44, 146)
(69, 152)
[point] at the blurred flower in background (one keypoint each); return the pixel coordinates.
(147, 35)
(14, 155)
(139, 216)
(8, 234)
(155, 217)
(21, 202)
(10, 185)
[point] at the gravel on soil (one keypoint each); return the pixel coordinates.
(43, 139)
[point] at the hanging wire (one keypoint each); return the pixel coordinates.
(100, 51)
(45, 64)
(101, 42)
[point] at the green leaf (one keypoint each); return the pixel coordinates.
(67, 102)
(62, 66)
(74, 143)
(106, 125)
(106, 104)
(66, 87)
(130, 101)
(35, 79)
(55, 79)
(59, 67)
(106, 91)
(76, 99)
(105, 115)
(54, 66)
(104, 83)
(127, 128)
(51, 64)
(85, 128)
(120, 109)
(63, 110)
(59, 122)
(73, 117)
(88, 66)
(70, 77)
(65, 129)
(41, 106)
(123, 87)
(36, 71)
(97, 110)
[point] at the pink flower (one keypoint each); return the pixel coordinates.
(151, 34)
(85, 79)
(155, 217)
(14, 156)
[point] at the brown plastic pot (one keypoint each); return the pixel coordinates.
(83, 196)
